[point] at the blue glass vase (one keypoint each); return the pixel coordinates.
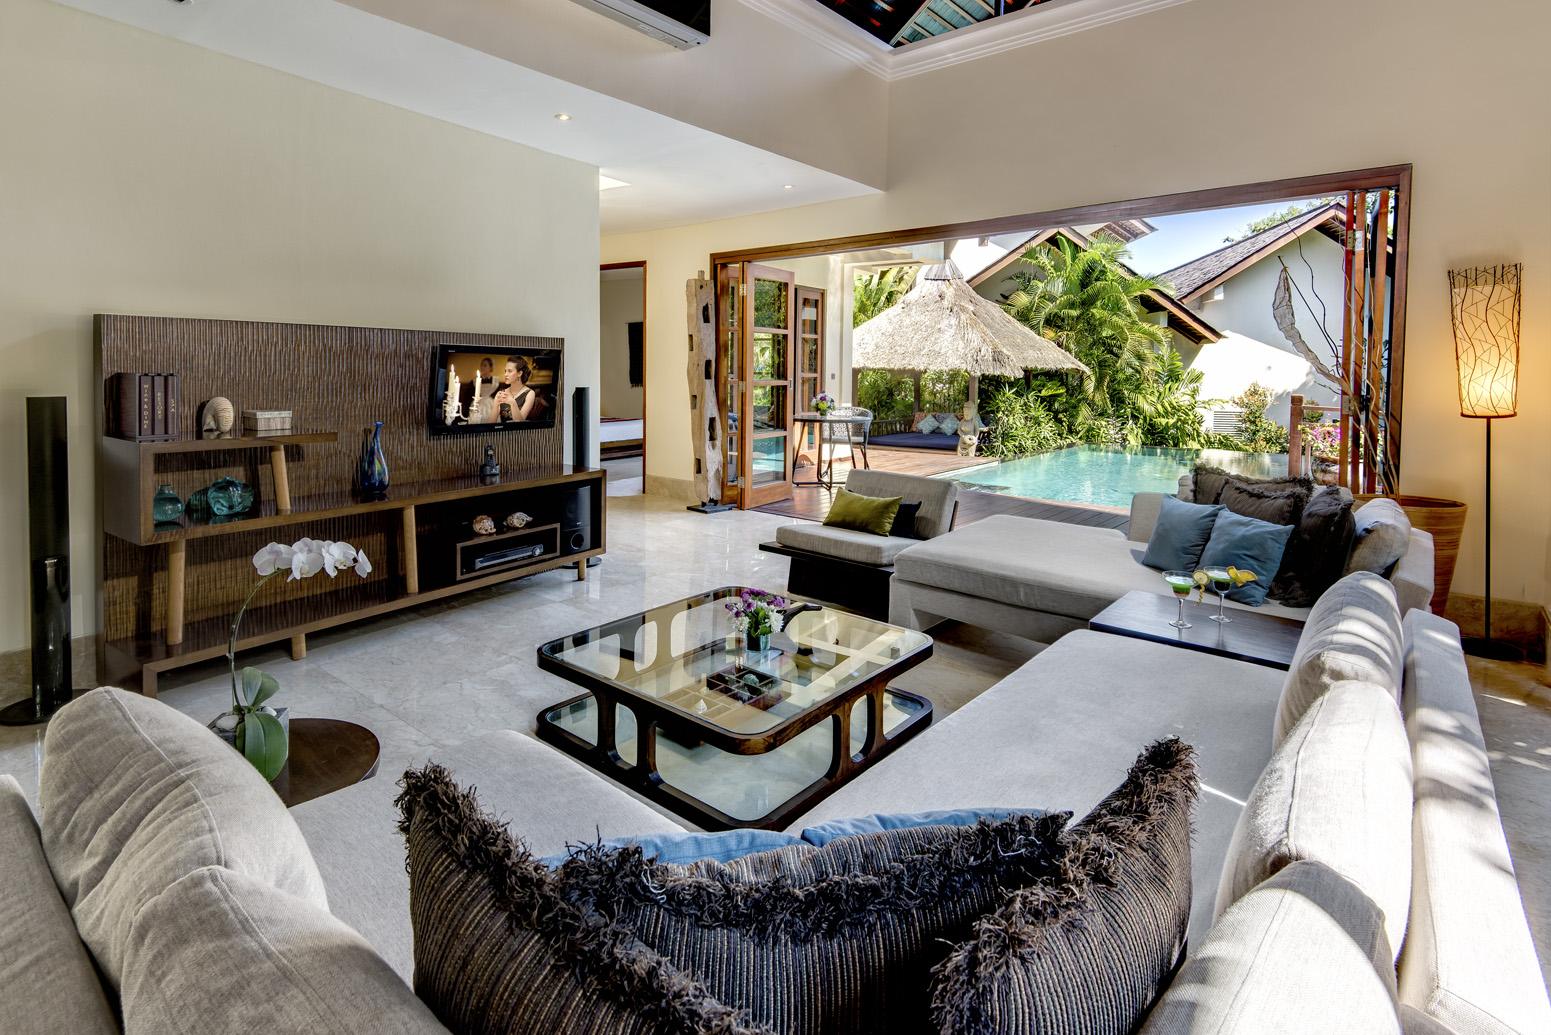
(372, 473)
(165, 505)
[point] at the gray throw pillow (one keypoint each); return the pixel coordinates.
(1179, 535)
(1383, 533)
(502, 947)
(1208, 482)
(1317, 550)
(836, 940)
(1278, 506)
(1089, 950)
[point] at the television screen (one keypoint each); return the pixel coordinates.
(475, 390)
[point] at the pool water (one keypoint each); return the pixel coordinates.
(1107, 476)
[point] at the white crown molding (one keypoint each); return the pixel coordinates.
(1049, 20)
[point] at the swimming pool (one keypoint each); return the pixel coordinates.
(1106, 476)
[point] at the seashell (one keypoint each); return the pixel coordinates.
(218, 415)
(516, 520)
(483, 525)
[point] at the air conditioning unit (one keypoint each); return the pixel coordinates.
(683, 23)
(1226, 422)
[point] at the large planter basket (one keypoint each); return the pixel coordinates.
(1445, 519)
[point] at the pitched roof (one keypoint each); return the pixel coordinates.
(1198, 275)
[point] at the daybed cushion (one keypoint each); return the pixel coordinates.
(361, 854)
(1468, 960)
(134, 796)
(220, 953)
(501, 947)
(1118, 692)
(1382, 537)
(1353, 632)
(1087, 950)
(1304, 952)
(1180, 533)
(47, 983)
(844, 543)
(1338, 791)
(914, 440)
(822, 941)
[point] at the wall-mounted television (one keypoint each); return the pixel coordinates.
(476, 390)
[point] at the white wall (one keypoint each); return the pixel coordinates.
(142, 175)
(621, 302)
(1273, 114)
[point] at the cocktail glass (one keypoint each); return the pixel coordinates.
(1221, 582)
(1181, 582)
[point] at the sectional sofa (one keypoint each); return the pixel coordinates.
(159, 857)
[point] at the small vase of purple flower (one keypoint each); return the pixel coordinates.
(823, 403)
(758, 616)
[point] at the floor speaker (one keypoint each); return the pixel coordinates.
(576, 521)
(581, 427)
(48, 534)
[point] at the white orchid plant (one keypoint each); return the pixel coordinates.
(260, 737)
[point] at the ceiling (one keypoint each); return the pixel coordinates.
(674, 173)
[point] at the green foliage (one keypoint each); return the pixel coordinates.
(875, 292)
(887, 395)
(1021, 423)
(1089, 303)
(1168, 408)
(260, 737)
(1257, 432)
(1267, 222)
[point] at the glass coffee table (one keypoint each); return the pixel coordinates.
(677, 710)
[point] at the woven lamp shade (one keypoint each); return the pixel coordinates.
(1485, 309)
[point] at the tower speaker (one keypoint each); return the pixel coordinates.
(48, 534)
(581, 427)
(576, 521)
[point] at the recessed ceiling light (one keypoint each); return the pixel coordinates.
(787, 186)
(563, 117)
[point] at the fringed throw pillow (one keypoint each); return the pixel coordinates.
(500, 949)
(1087, 951)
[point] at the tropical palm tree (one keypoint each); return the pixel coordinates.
(875, 292)
(1087, 301)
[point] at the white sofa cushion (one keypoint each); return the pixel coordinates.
(1469, 960)
(135, 795)
(47, 983)
(845, 543)
(220, 953)
(1383, 534)
(1337, 790)
(1304, 952)
(1353, 632)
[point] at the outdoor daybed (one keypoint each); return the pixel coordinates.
(900, 433)
(1397, 855)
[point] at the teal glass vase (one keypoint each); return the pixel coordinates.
(228, 496)
(166, 505)
(372, 472)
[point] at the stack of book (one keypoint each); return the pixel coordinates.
(146, 407)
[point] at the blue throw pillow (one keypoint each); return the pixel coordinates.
(691, 846)
(1246, 542)
(822, 834)
(1180, 535)
(927, 425)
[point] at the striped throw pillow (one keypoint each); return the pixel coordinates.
(1089, 951)
(499, 948)
(835, 940)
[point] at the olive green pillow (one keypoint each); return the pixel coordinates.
(863, 513)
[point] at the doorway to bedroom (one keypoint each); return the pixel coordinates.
(622, 391)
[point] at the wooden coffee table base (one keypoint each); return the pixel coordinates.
(326, 755)
(1260, 639)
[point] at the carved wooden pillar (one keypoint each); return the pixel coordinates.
(705, 414)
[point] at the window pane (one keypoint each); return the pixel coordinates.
(769, 460)
(810, 356)
(769, 303)
(769, 407)
(769, 357)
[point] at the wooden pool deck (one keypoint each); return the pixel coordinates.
(812, 502)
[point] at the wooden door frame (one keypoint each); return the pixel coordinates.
(821, 296)
(1389, 177)
(645, 395)
(759, 495)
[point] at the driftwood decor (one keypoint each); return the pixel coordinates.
(705, 413)
(168, 590)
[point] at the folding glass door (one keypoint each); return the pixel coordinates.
(755, 324)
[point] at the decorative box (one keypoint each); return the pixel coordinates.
(266, 420)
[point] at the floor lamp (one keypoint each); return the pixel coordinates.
(1485, 311)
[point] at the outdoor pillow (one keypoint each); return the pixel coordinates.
(1278, 506)
(1316, 551)
(1088, 950)
(1243, 542)
(927, 425)
(905, 521)
(1207, 483)
(822, 834)
(1383, 533)
(860, 513)
(837, 940)
(1180, 534)
(947, 423)
(688, 846)
(502, 945)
